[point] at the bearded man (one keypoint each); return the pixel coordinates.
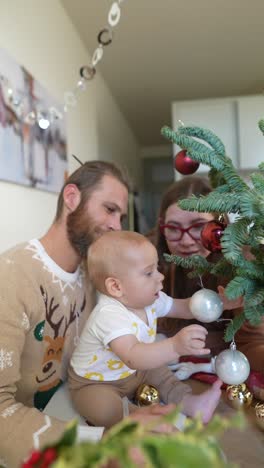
(45, 299)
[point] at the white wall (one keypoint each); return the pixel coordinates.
(40, 36)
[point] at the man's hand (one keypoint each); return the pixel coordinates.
(190, 341)
(149, 415)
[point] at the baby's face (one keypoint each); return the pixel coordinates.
(141, 280)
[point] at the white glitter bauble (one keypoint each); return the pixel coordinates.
(206, 306)
(232, 367)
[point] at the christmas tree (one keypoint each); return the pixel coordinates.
(231, 194)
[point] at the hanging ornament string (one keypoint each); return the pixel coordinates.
(87, 72)
(45, 117)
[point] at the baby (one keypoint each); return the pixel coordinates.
(117, 350)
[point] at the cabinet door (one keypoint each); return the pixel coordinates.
(218, 115)
(251, 140)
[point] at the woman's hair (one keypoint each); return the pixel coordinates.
(184, 188)
(88, 177)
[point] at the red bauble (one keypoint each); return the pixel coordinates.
(184, 164)
(211, 235)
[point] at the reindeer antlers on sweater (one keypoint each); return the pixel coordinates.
(50, 308)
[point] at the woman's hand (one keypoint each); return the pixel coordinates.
(229, 304)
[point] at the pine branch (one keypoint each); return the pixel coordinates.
(201, 153)
(206, 135)
(222, 189)
(234, 181)
(261, 125)
(237, 287)
(229, 203)
(216, 178)
(196, 150)
(249, 270)
(258, 182)
(222, 268)
(256, 298)
(251, 204)
(254, 314)
(199, 263)
(261, 167)
(234, 326)
(235, 236)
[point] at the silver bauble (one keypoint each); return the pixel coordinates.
(206, 305)
(232, 367)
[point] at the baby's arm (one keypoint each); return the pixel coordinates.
(180, 307)
(141, 356)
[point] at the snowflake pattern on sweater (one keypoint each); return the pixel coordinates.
(43, 309)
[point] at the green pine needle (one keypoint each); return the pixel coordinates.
(234, 326)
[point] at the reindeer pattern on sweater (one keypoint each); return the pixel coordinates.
(42, 312)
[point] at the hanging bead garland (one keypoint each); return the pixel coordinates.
(45, 117)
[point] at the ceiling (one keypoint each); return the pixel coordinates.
(166, 50)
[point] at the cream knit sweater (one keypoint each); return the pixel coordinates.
(42, 312)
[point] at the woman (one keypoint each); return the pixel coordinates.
(179, 232)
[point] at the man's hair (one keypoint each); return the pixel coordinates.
(88, 177)
(109, 253)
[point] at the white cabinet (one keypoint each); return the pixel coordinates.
(251, 140)
(234, 120)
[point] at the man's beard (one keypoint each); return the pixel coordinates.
(82, 231)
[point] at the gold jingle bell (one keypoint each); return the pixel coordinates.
(147, 395)
(259, 408)
(239, 396)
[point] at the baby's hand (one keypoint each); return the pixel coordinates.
(190, 340)
(229, 304)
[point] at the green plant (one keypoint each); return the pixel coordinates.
(195, 447)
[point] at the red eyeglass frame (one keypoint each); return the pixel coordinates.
(162, 228)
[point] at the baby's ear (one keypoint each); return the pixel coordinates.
(113, 287)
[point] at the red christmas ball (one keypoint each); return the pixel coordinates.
(184, 164)
(211, 235)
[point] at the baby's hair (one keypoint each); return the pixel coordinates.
(108, 253)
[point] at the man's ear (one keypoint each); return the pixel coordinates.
(71, 197)
(113, 287)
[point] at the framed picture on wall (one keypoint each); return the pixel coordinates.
(33, 148)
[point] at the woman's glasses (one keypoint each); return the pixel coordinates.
(175, 233)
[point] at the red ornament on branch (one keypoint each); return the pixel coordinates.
(211, 235)
(184, 164)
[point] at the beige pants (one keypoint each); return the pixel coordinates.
(100, 403)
